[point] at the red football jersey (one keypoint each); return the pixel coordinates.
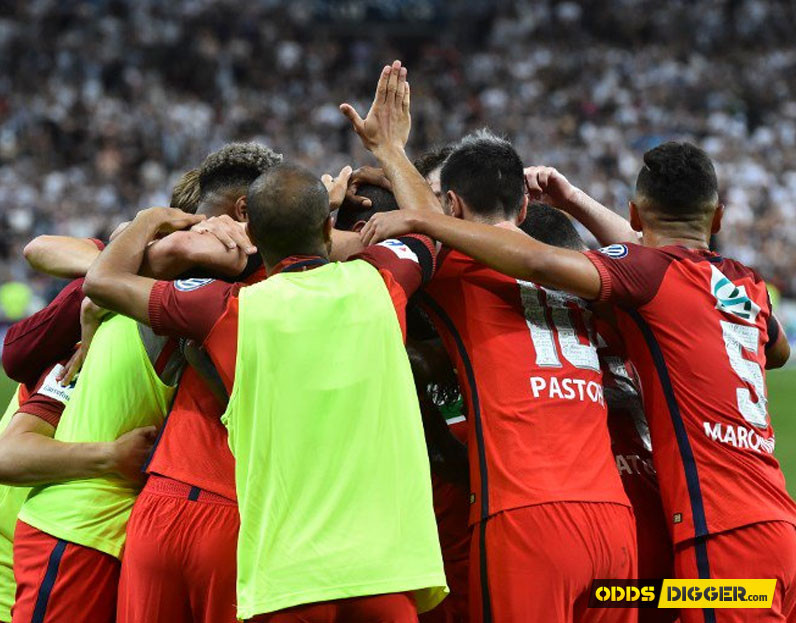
(632, 448)
(696, 325)
(530, 376)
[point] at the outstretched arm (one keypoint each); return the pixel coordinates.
(113, 282)
(509, 252)
(384, 132)
(546, 183)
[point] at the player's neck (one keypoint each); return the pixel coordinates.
(664, 237)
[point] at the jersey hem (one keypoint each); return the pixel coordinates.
(101, 545)
(744, 524)
(435, 587)
(626, 503)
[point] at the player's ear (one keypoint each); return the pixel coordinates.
(715, 226)
(635, 219)
(523, 214)
(455, 204)
(327, 231)
(239, 210)
(358, 226)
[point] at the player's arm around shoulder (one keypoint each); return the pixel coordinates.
(509, 252)
(219, 246)
(113, 281)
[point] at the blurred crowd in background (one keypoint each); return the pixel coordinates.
(103, 103)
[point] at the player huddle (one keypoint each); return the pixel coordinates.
(440, 406)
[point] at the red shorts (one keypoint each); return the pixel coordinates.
(61, 582)
(762, 550)
(540, 562)
(179, 562)
(392, 608)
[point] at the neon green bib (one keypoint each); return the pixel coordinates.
(11, 499)
(118, 391)
(332, 473)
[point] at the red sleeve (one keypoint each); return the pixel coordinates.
(630, 274)
(47, 398)
(188, 307)
(409, 260)
(36, 343)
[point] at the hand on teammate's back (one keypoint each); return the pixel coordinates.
(230, 232)
(388, 121)
(548, 185)
(130, 452)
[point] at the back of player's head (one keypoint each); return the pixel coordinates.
(185, 194)
(677, 182)
(552, 227)
(432, 160)
(485, 171)
(353, 216)
(231, 169)
(288, 211)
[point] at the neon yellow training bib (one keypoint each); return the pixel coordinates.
(332, 472)
(118, 391)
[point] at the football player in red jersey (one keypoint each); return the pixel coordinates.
(700, 331)
(541, 468)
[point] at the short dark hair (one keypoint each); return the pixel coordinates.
(288, 206)
(432, 159)
(678, 180)
(486, 172)
(381, 200)
(235, 166)
(551, 226)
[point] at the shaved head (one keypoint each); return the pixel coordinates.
(288, 213)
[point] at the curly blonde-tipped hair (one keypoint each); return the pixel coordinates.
(185, 194)
(235, 165)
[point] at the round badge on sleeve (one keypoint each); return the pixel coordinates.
(189, 285)
(614, 251)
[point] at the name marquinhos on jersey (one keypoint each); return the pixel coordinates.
(739, 437)
(567, 389)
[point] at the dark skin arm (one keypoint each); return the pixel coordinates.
(778, 352)
(509, 252)
(113, 282)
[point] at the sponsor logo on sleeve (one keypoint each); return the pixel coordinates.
(53, 389)
(400, 249)
(188, 285)
(614, 251)
(731, 298)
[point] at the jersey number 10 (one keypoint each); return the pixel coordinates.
(544, 306)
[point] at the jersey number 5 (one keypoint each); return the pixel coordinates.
(541, 304)
(738, 338)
